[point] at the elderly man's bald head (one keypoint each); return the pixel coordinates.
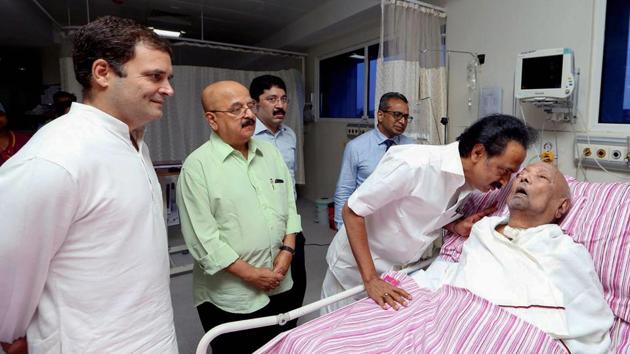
(228, 110)
(562, 189)
(540, 195)
(218, 92)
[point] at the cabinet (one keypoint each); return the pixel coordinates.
(167, 172)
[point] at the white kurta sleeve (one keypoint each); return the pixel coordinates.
(39, 201)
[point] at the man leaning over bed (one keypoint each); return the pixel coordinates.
(528, 266)
(523, 263)
(414, 192)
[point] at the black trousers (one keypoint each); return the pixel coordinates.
(243, 341)
(250, 340)
(298, 272)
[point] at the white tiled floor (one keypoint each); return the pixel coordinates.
(187, 324)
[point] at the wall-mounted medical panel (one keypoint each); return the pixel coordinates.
(612, 153)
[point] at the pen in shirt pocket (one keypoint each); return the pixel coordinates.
(274, 181)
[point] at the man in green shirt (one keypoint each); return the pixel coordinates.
(239, 220)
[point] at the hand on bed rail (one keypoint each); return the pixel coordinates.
(386, 295)
(463, 226)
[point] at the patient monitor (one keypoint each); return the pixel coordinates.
(547, 79)
(544, 75)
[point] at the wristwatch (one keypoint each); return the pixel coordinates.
(288, 249)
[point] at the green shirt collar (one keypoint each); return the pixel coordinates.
(224, 150)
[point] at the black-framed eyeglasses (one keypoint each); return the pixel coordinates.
(238, 111)
(275, 99)
(399, 115)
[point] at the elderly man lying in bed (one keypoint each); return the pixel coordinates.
(528, 266)
(523, 264)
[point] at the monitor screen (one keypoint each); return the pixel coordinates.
(542, 72)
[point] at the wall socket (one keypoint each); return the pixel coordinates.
(611, 153)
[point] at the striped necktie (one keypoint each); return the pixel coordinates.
(388, 143)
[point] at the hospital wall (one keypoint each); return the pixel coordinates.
(501, 29)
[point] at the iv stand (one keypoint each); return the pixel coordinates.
(479, 58)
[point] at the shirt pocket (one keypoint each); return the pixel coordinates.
(279, 197)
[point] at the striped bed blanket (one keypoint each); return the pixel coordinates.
(448, 320)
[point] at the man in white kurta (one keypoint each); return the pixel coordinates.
(527, 265)
(417, 220)
(83, 249)
(415, 191)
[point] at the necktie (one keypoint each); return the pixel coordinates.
(388, 143)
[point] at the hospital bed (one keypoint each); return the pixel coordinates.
(599, 219)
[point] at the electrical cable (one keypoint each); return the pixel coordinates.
(514, 100)
(437, 125)
(556, 149)
(542, 138)
(579, 155)
(580, 165)
(317, 244)
(537, 151)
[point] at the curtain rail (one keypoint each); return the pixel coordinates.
(239, 47)
(427, 5)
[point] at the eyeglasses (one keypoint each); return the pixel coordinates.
(275, 99)
(239, 111)
(399, 115)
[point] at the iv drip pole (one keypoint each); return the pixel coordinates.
(478, 58)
